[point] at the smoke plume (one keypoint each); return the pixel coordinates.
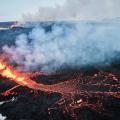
(77, 10)
(72, 44)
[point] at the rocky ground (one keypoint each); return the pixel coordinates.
(97, 99)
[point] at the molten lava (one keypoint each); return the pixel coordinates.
(9, 72)
(70, 86)
(77, 90)
(24, 80)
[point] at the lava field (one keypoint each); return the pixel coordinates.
(91, 95)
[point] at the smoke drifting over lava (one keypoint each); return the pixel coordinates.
(67, 44)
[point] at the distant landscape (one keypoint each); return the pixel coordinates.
(7, 24)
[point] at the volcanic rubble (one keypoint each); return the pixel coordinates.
(97, 99)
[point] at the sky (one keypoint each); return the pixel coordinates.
(13, 9)
(47, 10)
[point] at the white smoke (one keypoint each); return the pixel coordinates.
(77, 10)
(76, 44)
(2, 117)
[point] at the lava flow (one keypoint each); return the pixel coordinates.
(9, 72)
(24, 80)
(93, 91)
(74, 85)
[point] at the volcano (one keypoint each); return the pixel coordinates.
(92, 93)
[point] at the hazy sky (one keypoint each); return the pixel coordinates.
(13, 9)
(40, 10)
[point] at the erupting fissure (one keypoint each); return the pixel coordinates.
(71, 86)
(9, 72)
(24, 80)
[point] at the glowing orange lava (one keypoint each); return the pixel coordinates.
(24, 80)
(71, 86)
(77, 90)
(9, 72)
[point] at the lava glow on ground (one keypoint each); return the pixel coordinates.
(94, 92)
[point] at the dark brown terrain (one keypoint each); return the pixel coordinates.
(96, 96)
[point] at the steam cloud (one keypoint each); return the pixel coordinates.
(77, 10)
(73, 44)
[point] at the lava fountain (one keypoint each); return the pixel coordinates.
(24, 80)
